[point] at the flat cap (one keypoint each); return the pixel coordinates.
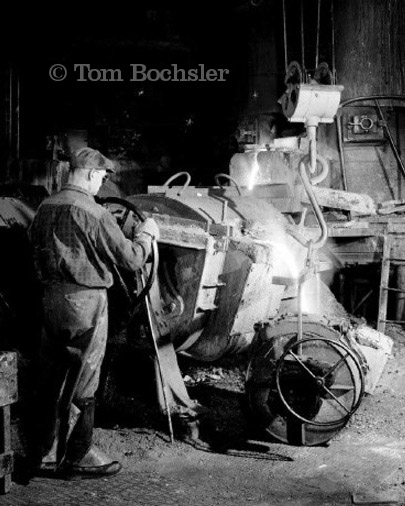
(88, 158)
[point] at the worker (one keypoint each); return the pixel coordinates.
(76, 242)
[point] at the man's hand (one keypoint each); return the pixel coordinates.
(148, 227)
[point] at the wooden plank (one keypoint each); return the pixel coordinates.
(385, 272)
(6, 464)
(361, 204)
(8, 378)
(375, 498)
(349, 232)
(5, 448)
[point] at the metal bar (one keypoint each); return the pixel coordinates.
(296, 357)
(299, 301)
(363, 300)
(341, 154)
(336, 386)
(335, 366)
(156, 349)
(386, 176)
(399, 290)
(390, 138)
(335, 399)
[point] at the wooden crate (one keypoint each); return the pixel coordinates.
(8, 395)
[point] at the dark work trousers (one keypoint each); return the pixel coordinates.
(72, 350)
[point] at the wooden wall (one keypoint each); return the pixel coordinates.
(370, 47)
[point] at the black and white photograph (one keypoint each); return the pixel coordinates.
(202, 253)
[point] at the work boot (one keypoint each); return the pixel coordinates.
(83, 459)
(95, 464)
(81, 438)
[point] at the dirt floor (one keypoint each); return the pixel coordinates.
(364, 462)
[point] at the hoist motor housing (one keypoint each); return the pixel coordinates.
(316, 103)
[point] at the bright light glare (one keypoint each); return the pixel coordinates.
(286, 263)
(254, 171)
(311, 299)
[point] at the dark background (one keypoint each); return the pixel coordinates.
(192, 122)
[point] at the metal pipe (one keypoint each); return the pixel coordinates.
(224, 211)
(390, 138)
(341, 154)
(312, 148)
(372, 97)
(299, 319)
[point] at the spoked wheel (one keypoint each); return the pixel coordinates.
(318, 381)
(128, 217)
(303, 392)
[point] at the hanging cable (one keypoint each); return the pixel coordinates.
(318, 27)
(302, 39)
(332, 19)
(285, 38)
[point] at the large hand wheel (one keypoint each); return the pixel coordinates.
(319, 381)
(124, 212)
(303, 392)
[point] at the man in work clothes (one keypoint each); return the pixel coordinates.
(76, 243)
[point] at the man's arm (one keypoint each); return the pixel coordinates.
(112, 244)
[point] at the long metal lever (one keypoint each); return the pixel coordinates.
(152, 327)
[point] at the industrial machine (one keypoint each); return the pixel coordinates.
(235, 275)
(232, 273)
(237, 271)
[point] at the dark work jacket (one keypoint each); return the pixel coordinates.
(75, 240)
